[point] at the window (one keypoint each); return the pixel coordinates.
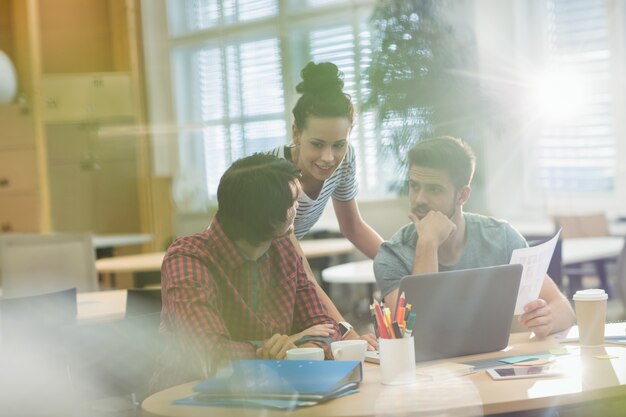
(235, 66)
(576, 151)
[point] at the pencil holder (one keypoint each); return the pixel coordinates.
(397, 361)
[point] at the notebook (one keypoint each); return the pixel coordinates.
(462, 312)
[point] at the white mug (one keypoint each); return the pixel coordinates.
(306, 354)
(349, 350)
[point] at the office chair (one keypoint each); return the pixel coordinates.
(584, 225)
(34, 359)
(115, 358)
(32, 264)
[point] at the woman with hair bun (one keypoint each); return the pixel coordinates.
(323, 119)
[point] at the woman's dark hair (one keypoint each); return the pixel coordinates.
(322, 94)
(452, 155)
(254, 195)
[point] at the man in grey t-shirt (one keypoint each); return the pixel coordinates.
(441, 237)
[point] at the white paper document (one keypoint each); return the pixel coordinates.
(535, 261)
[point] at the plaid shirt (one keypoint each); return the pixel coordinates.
(215, 302)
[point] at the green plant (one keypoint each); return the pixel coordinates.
(422, 74)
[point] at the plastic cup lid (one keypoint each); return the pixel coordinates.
(593, 294)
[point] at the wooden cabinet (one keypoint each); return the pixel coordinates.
(79, 71)
(93, 178)
(19, 188)
(79, 66)
(83, 97)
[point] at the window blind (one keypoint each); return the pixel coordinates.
(189, 16)
(240, 87)
(241, 100)
(578, 154)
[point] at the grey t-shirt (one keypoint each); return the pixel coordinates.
(489, 242)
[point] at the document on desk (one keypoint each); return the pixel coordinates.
(535, 260)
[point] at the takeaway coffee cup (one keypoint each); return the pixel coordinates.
(590, 316)
(397, 361)
(306, 354)
(349, 350)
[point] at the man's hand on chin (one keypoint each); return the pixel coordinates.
(434, 227)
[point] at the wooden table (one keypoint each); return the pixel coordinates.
(100, 305)
(586, 379)
(151, 262)
(590, 249)
(595, 250)
(546, 227)
(104, 244)
(360, 272)
(112, 241)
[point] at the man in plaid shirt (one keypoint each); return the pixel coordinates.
(238, 289)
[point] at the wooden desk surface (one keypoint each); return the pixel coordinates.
(112, 241)
(586, 379)
(150, 262)
(587, 249)
(100, 305)
(143, 262)
(358, 272)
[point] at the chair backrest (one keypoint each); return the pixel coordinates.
(33, 264)
(116, 357)
(34, 357)
(34, 322)
(584, 225)
(141, 301)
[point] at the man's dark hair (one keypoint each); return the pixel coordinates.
(254, 195)
(452, 155)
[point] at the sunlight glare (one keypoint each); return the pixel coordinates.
(557, 95)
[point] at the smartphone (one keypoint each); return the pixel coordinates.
(517, 372)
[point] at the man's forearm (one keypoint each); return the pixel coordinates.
(426, 258)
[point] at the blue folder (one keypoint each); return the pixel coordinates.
(275, 383)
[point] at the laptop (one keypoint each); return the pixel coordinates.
(461, 312)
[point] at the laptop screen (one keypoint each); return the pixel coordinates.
(462, 312)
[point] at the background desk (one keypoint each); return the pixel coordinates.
(590, 249)
(151, 262)
(360, 272)
(546, 227)
(586, 379)
(104, 244)
(575, 250)
(100, 305)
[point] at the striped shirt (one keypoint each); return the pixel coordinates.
(342, 186)
(215, 302)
